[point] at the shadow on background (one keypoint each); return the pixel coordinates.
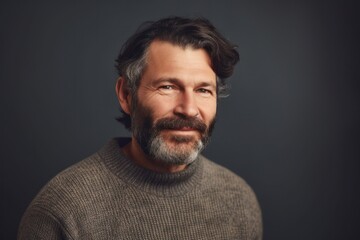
(290, 127)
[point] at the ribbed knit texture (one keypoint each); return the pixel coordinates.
(108, 196)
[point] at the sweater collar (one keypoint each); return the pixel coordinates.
(166, 184)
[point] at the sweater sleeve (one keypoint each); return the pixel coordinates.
(252, 209)
(38, 224)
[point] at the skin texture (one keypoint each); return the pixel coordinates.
(177, 82)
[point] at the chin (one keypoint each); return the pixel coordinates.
(176, 152)
(181, 139)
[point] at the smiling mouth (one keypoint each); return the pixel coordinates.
(183, 130)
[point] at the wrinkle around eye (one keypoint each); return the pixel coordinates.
(205, 92)
(167, 89)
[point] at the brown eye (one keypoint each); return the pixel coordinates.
(204, 91)
(166, 87)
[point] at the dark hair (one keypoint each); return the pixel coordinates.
(197, 33)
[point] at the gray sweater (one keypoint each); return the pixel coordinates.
(107, 196)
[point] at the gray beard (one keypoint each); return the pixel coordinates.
(175, 150)
(161, 152)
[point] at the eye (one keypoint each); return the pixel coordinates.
(205, 91)
(166, 87)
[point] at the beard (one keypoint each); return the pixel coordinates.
(170, 149)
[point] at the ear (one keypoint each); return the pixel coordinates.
(123, 95)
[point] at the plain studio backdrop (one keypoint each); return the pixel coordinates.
(290, 126)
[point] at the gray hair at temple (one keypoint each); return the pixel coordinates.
(198, 33)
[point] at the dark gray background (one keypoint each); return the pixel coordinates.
(290, 127)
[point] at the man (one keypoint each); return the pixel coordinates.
(155, 185)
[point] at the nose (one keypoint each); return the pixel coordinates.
(186, 105)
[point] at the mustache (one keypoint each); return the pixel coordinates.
(178, 123)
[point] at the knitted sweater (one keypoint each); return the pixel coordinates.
(108, 196)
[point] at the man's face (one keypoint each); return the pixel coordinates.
(176, 103)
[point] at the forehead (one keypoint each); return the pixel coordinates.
(168, 49)
(164, 57)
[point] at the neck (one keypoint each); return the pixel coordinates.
(134, 152)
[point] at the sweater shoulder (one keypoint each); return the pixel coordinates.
(235, 194)
(231, 188)
(72, 187)
(65, 199)
(217, 174)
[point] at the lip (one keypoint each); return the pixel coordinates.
(185, 129)
(182, 130)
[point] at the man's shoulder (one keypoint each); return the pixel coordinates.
(86, 170)
(217, 173)
(225, 182)
(232, 190)
(77, 191)
(76, 183)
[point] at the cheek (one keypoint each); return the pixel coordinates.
(208, 110)
(160, 107)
